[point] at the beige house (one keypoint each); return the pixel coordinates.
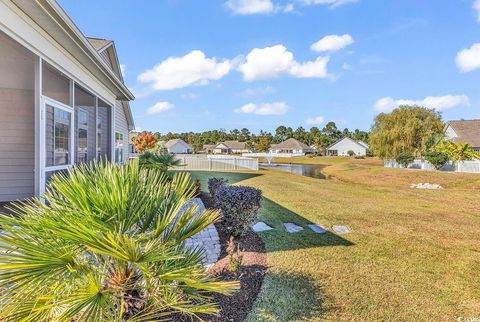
(231, 147)
(208, 148)
(291, 146)
(464, 131)
(62, 97)
(178, 146)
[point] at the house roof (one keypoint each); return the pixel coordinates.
(468, 131)
(234, 145)
(98, 43)
(291, 144)
(50, 16)
(171, 143)
(360, 143)
(209, 146)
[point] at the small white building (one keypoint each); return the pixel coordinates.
(291, 146)
(178, 146)
(231, 147)
(343, 146)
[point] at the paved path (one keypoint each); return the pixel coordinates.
(207, 239)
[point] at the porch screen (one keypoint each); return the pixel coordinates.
(85, 132)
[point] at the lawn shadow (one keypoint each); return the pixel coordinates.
(278, 239)
(232, 177)
(288, 296)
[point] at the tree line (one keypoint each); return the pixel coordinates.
(322, 138)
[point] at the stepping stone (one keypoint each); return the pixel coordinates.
(261, 226)
(317, 229)
(292, 228)
(341, 229)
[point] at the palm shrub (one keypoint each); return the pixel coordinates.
(107, 245)
(162, 160)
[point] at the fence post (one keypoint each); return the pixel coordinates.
(235, 164)
(210, 164)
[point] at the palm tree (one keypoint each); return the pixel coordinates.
(107, 245)
(162, 160)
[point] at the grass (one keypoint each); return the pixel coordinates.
(412, 254)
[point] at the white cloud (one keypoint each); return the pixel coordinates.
(189, 96)
(346, 66)
(250, 92)
(331, 3)
(387, 104)
(160, 107)
(315, 120)
(476, 7)
(178, 72)
(469, 59)
(332, 43)
(250, 7)
(271, 62)
(276, 108)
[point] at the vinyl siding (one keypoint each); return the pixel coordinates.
(121, 126)
(17, 144)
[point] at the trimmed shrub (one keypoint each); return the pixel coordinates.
(350, 153)
(437, 159)
(239, 206)
(405, 158)
(214, 184)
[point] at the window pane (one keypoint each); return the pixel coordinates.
(118, 147)
(57, 136)
(85, 141)
(55, 84)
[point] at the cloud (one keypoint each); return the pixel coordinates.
(250, 92)
(315, 120)
(271, 62)
(476, 7)
(331, 3)
(189, 96)
(191, 69)
(160, 107)
(332, 43)
(469, 59)
(250, 7)
(276, 108)
(387, 104)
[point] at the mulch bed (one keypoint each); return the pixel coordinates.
(250, 274)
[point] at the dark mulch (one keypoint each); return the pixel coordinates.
(250, 273)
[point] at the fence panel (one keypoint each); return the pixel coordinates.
(461, 166)
(206, 163)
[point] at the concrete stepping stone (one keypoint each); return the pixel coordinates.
(261, 226)
(340, 229)
(292, 228)
(317, 229)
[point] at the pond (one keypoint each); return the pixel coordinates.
(308, 170)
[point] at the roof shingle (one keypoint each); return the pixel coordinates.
(468, 131)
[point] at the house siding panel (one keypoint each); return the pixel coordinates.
(121, 126)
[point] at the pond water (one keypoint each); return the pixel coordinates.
(308, 170)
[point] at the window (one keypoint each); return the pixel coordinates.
(82, 133)
(103, 130)
(55, 84)
(118, 147)
(85, 109)
(57, 136)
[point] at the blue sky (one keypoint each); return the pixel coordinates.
(200, 65)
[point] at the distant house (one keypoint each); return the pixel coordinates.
(464, 131)
(291, 146)
(231, 147)
(341, 148)
(178, 146)
(208, 148)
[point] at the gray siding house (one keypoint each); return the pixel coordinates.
(62, 97)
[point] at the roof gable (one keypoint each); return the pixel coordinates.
(173, 142)
(351, 141)
(291, 144)
(467, 131)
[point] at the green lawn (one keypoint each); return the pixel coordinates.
(412, 254)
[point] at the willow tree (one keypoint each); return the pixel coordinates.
(411, 129)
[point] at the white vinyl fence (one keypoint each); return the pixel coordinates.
(216, 163)
(274, 155)
(461, 166)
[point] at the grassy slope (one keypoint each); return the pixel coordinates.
(412, 254)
